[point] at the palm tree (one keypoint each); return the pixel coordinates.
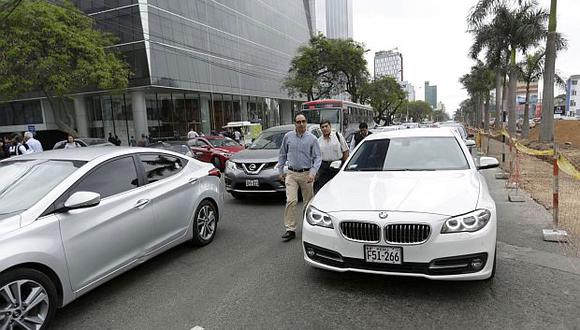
(521, 28)
(531, 70)
(547, 124)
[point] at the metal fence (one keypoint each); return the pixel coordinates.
(547, 175)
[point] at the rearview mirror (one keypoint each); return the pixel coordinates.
(82, 199)
(487, 162)
(335, 165)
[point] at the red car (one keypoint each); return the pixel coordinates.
(214, 149)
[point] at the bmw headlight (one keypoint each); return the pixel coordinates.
(469, 222)
(230, 165)
(315, 217)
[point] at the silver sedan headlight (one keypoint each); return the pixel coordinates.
(469, 222)
(315, 217)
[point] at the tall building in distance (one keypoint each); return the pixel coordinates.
(198, 64)
(339, 21)
(389, 63)
(409, 89)
(431, 95)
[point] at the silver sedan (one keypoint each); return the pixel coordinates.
(72, 219)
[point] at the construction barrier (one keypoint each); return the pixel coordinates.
(549, 176)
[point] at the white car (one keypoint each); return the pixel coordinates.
(409, 203)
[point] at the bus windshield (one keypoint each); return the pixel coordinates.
(315, 116)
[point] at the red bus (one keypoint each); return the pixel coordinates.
(344, 116)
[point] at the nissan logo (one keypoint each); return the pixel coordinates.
(383, 214)
(252, 167)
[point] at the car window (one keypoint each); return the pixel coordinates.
(197, 143)
(268, 140)
(158, 167)
(24, 183)
(112, 178)
(409, 154)
(225, 142)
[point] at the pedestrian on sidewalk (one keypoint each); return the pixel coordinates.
(333, 147)
(300, 150)
(71, 143)
(17, 148)
(33, 144)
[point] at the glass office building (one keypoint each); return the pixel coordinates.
(199, 63)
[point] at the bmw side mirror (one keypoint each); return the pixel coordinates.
(82, 199)
(487, 162)
(335, 165)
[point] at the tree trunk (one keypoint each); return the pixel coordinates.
(504, 100)
(512, 101)
(486, 114)
(499, 77)
(547, 123)
(526, 120)
(480, 111)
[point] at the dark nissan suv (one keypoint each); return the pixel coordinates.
(254, 170)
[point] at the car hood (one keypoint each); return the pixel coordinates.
(446, 193)
(9, 223)
(256, 156)
(229, 149)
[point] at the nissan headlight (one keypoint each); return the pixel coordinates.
(469, 222)
(315, 217)
(230, 165)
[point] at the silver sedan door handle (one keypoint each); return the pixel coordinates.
(192, 180)
(141, 203)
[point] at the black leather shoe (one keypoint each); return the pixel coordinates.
(288, 235)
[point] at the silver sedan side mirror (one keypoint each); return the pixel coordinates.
(82, 199)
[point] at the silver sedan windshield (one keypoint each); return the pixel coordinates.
(23, 183)
(409, 154)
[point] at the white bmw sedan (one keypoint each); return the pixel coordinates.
(72, 219)
(409, 203)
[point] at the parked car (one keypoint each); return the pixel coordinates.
(85, 142)
(254, 170)
(177, 146)
(72, 220)
(408, 203)
(214, 149)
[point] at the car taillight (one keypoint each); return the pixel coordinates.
(215, 172)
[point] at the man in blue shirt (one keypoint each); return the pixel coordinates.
(301, 152)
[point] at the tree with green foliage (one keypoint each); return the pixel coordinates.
(440, 116)
(419, 111)
(56, 50)
(386, 96)
(325, 67)
(531, 70)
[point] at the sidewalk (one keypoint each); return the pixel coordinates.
(519, 231)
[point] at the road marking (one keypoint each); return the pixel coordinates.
(540, 258)
(197, 327)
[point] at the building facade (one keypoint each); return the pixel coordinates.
(573, 96)
(389, 63)
(339, 22)
(431, 94)
(410, 90)
(195, 64)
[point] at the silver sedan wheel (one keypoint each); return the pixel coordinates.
(206, 222)
(24, 304)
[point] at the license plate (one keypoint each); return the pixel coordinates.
(252, 183)
(384, 254)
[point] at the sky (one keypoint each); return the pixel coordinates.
(432, 37)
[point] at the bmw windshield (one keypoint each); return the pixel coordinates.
(409, 154)
(24, 183)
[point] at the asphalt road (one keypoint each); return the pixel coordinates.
(248, 278)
